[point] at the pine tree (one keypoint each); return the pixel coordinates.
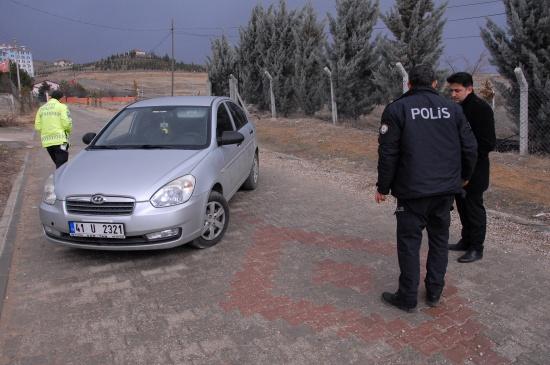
(279, 57)
(353, 55)
(417, 29)
(250, 60)
(309, 61)
(221, 65)
(527, 45)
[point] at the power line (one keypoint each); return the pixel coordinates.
(161, 42)
(86, 22)
(475, 17)
(473, 4)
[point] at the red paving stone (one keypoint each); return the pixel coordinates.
(452, 330)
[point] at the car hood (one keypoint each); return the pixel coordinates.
(132, 173)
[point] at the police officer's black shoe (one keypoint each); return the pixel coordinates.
(459, 246)
(396, 301)
(471, 256)
(432, 300)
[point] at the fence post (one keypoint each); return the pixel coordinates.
(405, 76)
(233, 88)
(208, 87)
(523, 112)
(12, 105)
(273, 110)
(332, 99)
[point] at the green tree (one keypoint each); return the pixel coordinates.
(525, 43)
(310, 59)
(417, 29)
(353, 55)
(26, 79)
(220, 65)
(279, 56)
(250, 58)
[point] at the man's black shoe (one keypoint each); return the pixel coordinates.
(471, 256)
(459, 246)
(396, 301)
(432, 300)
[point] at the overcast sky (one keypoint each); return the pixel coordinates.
(83, 31)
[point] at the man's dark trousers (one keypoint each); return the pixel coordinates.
(473, 219)
(413, 215)
(58, 155)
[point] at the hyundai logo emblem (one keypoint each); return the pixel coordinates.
(98, 199)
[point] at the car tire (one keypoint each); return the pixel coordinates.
(216, 220)
(251, 181)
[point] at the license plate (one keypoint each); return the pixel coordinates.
(100, 230)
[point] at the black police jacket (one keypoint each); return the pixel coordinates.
(481, 119)
(426, 146)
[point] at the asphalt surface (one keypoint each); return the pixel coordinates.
(296, 280)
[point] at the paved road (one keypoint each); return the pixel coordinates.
(296, 280)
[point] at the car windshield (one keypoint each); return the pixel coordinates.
(181, 127)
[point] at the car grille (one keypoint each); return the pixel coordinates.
(110, 206)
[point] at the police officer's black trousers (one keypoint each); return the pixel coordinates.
(59, 156)
(412, 217)
(473, 218)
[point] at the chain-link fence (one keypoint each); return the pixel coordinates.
(537, 117)
(522, 112)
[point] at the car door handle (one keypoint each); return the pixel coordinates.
(251, 131)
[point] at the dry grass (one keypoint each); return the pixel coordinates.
(519, 185)
(153, 83)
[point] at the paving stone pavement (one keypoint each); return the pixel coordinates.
(296, 280)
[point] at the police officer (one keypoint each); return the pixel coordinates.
(427, 151)
(53, 122)
(470, 205)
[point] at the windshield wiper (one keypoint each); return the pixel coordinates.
(104, 147)
(154, 146)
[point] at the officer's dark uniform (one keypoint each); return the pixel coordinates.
(470, 207)
(426, 150)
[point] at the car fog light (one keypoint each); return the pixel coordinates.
(51, 231)
(163, 234)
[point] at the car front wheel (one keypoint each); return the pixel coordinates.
(216, 220)
(251, 181)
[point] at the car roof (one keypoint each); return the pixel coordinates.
(177, 101)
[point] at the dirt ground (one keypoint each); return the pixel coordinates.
(519, 185)
(151, 83)
(11, 157)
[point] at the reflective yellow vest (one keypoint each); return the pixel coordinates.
(54, 123)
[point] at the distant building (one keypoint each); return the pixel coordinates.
(20, 54)
(36, 87)
(139, 52)
(62, 63)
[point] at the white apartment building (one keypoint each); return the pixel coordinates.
(20, 54)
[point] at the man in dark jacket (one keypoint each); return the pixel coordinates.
(470, 206)
(427, 151)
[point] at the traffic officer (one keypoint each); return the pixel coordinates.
(427, 151)
(53, 122)
(470, 205)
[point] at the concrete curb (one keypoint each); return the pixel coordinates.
(7, 229)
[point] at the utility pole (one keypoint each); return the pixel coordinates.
(173, 60)
(16, 50)
(332, 98)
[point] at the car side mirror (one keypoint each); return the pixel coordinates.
(88, 137)
(230, 137)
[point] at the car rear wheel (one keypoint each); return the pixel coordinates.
(251, 181)
(216, 220)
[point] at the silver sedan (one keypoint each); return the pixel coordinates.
(158, 175)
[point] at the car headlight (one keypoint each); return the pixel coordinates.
(176, 192)
(49, 191)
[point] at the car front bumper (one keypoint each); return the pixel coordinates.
(188, 218)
